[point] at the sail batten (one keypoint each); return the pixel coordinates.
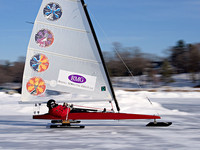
(73, 0)
(61, 55)
(59, 26)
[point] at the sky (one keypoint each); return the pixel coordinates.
(151, 25)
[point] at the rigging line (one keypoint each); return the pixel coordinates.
(84, 6)
(116, 51)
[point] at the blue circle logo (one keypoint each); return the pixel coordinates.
(52, 11)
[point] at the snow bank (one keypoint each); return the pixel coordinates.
(142, 102)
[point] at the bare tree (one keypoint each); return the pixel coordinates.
(11, 72)
(126, 57)
(194, 60)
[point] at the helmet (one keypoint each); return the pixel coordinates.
(51, 103)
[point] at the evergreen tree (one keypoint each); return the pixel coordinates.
(166, 72)
(179, 57)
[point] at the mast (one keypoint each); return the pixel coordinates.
(100, 53)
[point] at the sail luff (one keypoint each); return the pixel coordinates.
(100, 53)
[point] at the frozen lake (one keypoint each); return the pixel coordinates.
(21, 132)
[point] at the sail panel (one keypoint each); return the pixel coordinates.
(51, 76)
(69, 14)
(64, 41)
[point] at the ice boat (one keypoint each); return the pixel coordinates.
(64, 57)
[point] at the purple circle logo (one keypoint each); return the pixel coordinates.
(44, 38)
(77, 78)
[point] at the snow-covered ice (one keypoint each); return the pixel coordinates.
(19, 131)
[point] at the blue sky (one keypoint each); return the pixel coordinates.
(151, 25)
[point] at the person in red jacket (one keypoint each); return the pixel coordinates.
(60, 111)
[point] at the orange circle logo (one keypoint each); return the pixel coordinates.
(36, 86)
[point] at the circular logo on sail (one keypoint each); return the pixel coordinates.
(39, 62)
(77, 78)
(44, 38)
(52, 11)
(36, 86)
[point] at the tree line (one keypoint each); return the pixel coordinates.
(12, 71)
(181, 58)
(126, 61)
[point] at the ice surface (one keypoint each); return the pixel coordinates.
(19, 131)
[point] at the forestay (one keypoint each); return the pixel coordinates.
(63, 57)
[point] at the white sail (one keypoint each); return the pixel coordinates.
(63, 56)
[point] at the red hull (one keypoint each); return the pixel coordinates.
(97, 116)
